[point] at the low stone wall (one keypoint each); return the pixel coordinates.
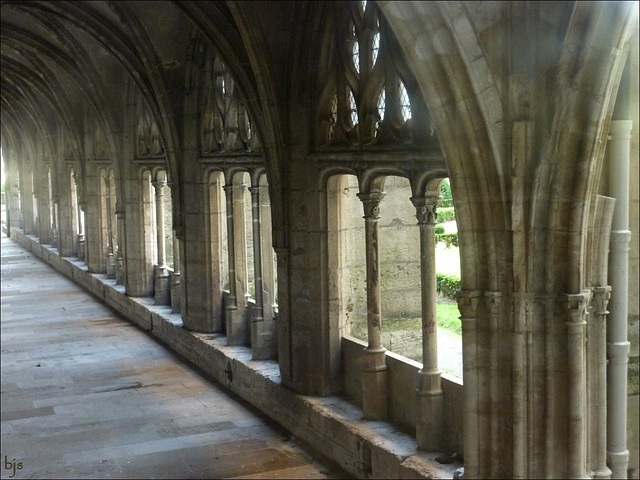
(331, 425)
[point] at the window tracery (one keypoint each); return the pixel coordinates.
(366, 92)
(225, 126)
(148, 142)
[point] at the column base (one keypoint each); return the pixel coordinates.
(110, 266)
(602, 474)
(81, 248)
(175, 292)
(119, 271)
(235, 320)
(263, 338)
(430, 413)
(162, 295)
(375, 390)
(618, 462)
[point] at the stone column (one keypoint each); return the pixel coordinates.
(601, 295)
(576, 305)
(617, 343)
(262, 335)
(235, 324)
(81, 239)
(468, 304)
(374, 373)
(430, 415)
(162, 290)
(175, 276)
(110, 261)
(54, 222)
(119, 268)
(28, 217)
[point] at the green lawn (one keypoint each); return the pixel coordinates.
(448, 318)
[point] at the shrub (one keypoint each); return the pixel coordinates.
(446, 214)
(445, 191)
(447, 285)
(448, 239)
(439, 229)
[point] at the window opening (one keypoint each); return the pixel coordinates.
(353, 109)
(375, 48)
(356, 53)
(405, 105)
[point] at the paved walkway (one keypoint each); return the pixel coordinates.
(85, 394)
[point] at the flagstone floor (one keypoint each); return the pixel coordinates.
(86, 394)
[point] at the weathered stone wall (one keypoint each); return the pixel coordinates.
(399, 255)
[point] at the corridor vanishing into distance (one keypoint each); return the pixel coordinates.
(86, 394)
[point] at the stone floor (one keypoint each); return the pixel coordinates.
(85, 394)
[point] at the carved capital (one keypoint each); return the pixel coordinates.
(255, 190)
(426, 208)
(600, 301)
(468, 301)
(371, 202)
(576, 306)
(159, 187)
(228, 189)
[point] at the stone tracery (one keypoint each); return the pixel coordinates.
(360, 109)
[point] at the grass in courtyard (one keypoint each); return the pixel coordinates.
(448, 318)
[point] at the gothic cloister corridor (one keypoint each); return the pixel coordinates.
(86, 394)
(406, 233)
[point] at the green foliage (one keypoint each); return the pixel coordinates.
(445, 191)
(447, 285)
(449, 318)
(439, 229)
(449, 239)
(446, 214)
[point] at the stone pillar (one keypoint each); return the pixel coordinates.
(263, 335)
(468, 301)
(28, 217)
(81, 239)
(119, 267)
(576, 305)
(493, 301)
(110, 260)
(374, 373)
(430, 415)
(601, 295)
(269, 299)
(54, 222)
(175, 276)
(231, 303)
(162, 288)
(44, 208)
(237, 329)
(617, 342)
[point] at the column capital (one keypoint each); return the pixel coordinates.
(255, 190)
(468, 301)
(601, 296)
(227, 188)
(371, 202)
(179, 231)
(576, 306)
(158, 185)
(426, 208)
